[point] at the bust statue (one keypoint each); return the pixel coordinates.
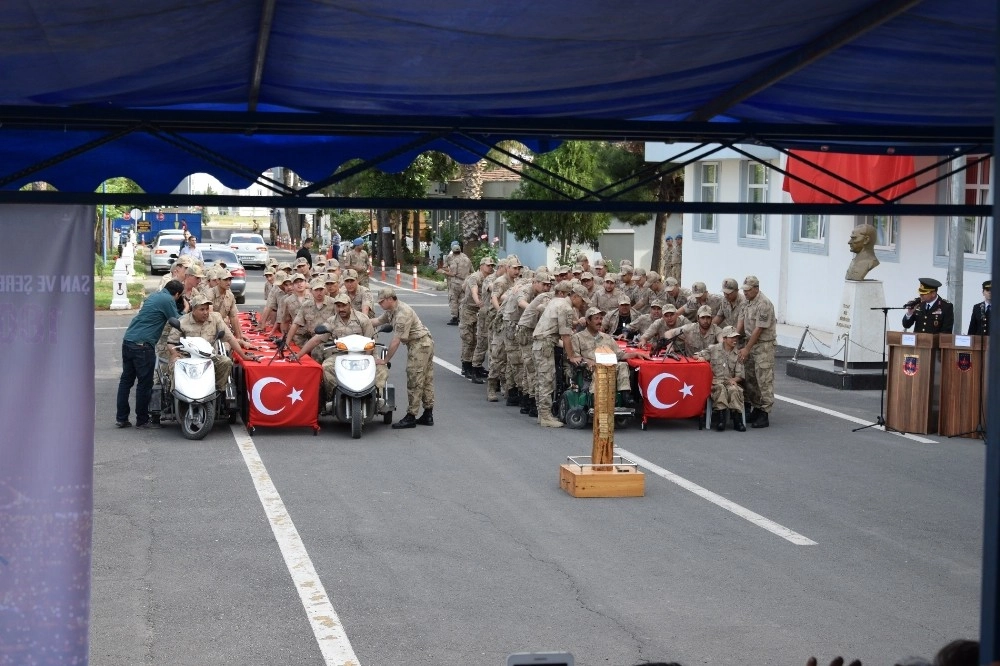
(862, 244)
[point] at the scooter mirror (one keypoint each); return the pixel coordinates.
(321, 329)
(385, 328)
(174, 323)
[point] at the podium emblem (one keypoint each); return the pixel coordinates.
(964, 361)
(910, 365)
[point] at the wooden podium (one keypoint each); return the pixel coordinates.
(963, 361)
(910, 383)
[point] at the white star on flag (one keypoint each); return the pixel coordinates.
(296, 394)
(687, 389)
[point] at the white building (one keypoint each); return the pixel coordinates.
(801, 261)
(202, 183)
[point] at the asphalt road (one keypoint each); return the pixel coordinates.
(453, 545)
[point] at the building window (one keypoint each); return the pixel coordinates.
(977, 192)
(754, 184)
(754, 224)
(709, 191)
(886, 235)
(809, 234)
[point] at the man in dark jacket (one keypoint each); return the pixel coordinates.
(980, 322)
(929, 313)
(304, 251)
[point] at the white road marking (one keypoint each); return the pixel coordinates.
(719, 500)
(333, 642)
(714, 498)
(852, 419)
(401, 288)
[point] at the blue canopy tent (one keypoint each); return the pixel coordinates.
(161, 89)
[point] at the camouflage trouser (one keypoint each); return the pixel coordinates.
(455, 288)
(482, 338)
(467, 327)
(498, 351)
(420, 375)
(330, 376)
(726, 396)
(514, 374)
(542, 351)
(759, 369)
(526, 380)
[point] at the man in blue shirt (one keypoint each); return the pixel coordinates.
(139, 354)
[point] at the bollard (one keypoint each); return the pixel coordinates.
(414, 278)
(119, 278)
(383, 270)
(397, 275)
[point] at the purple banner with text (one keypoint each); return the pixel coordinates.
(47, 426)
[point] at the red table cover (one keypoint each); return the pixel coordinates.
(673, 389)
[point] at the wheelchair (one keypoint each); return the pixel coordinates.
(574, 403)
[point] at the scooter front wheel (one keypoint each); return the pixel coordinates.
(196, 419)
(357, 417)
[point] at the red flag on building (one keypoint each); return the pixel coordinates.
(867, 172)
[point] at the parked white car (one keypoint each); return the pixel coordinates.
(250, 248)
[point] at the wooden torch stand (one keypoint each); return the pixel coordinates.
(603, 474)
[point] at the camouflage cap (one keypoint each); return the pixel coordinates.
(269, 271)
(587, 275)
(223, 273)
(487, 261)
(751, 281)
(705, 311)
(593, 311)
(729, 285)
(624, 300)
(652, 276)
(729, 332)
(194, 270)
(582, 256)
(577, 268)
(301, 261)
(671, 282)
(563, 286)
(333, 263)
(342, 298)
(185, 261)
(656, 304)
(581, 291)
(350, 274)
(317, 284)
(669, 307)
(331, 279)
(281, 277)
(199, 299)
(699, 289)
(611, 277)
(514, 262)
(639, 272)
(627, 269)
(298, 277)
(386, 292)
(285, 266)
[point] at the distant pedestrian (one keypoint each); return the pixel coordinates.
(335, 244)
(304, 251)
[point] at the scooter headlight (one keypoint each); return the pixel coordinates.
(195, 370)
(355, 363)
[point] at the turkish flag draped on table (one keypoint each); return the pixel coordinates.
(278, 392)
(870, 172)
(673, 388)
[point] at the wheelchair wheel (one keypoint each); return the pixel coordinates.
(562, 408)
(576, 418)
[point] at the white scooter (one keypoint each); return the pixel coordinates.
(357, 399)
(193, 400)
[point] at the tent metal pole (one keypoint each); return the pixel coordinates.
(989, 632)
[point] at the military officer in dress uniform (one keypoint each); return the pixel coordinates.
(980, 322)
(929, 313)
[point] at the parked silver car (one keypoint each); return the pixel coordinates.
(163, 251)
(250, 248)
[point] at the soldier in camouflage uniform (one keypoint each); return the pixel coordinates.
(313, 312)
(457, 267)
(760, 323)
(359, 260)
(224, 302)
(696, 336)
(361, 296)
(472, 300)
(499, 367)
(672, 292)
(515, 301)
(484, 324)
(657, 330)
(586, 343)
(616, 321)
(407, 329)
(289, 306)
(732, 304)
(607, 296)
(640, 323)
(555, 325)
(525, 330)
(677, 258)
(727, 380)
(699, 297)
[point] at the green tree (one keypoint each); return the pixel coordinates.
(578, 162)
(113, 212)
(625, 165)
(350, 223)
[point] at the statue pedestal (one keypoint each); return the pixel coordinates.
(863, 325)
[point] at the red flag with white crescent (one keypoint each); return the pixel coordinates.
(283, 394)
(674, 389)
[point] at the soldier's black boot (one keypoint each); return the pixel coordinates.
(476, 374)
(738, 424)
(525, 403)
(532, 408)
(427, 418)
(761, 421)
(408, 421)
(467, 369)
(513, 397)
(720, 420)
(453, 321)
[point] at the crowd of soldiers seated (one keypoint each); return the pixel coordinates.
(514, 322)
